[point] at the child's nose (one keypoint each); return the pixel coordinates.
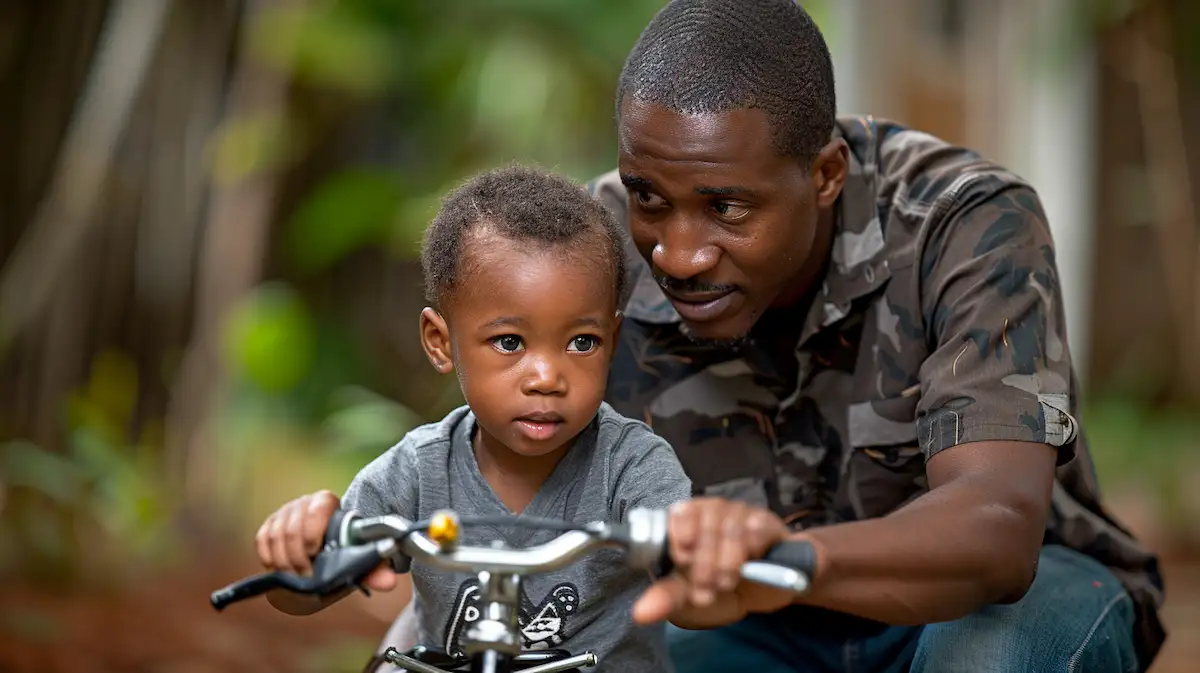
(543, 377)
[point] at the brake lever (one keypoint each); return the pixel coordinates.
(336, 573)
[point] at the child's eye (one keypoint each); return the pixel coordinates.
(582, 344)
(507, 343)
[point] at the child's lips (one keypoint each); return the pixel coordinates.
(540, 426)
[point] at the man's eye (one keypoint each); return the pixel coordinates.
(507, 343)
(582, 344)
(647, 199)
(730, 211)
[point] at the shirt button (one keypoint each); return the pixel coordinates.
(869, 274)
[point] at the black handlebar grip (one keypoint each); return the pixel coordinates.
(243, 589)
(333, 531)
(798, 555)
(795, 554)
(223, 597)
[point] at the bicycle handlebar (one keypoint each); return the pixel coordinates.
(355, 546)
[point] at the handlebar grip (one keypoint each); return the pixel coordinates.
(243, 589)
(799, 555)
(789, 565)
(333, 531)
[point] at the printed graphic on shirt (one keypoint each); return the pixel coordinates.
(543, 626)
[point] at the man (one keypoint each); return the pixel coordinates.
(858, 328)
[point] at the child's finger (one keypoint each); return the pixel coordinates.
(662, 599)
(318, 512)
(682, 529)
(293, 540)
(277, 534)
(262, 542)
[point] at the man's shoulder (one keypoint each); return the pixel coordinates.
(916, 174)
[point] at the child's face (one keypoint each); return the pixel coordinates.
(531, 334)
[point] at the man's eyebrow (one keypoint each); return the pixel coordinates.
(632, 181)
(723, 191)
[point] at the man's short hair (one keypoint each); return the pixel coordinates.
(524, 204)
(712, 56)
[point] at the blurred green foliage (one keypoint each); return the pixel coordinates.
(441, 91)
(430, 93)
(101, 488)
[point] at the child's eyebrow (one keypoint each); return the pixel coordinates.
(587, 322)
(516, 321)
(506, 321)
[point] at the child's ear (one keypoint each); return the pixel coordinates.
(435, 339)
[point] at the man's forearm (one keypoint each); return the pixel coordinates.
(939, 558)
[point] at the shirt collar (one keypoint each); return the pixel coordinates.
(859, 262)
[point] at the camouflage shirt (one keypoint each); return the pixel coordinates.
(939, 322)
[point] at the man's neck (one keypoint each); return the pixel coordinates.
(779, 330)
(794, 303)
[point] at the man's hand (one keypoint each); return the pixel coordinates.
(290, 537)
(710, 539)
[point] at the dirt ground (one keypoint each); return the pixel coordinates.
(167, 626)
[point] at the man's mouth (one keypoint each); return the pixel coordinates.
(701, 306)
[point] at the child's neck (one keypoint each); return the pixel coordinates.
(515, 479)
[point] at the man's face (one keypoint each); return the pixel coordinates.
(729, 225)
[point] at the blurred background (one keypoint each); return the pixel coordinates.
(209, 217)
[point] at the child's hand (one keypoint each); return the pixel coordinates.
(290, 537)
(710, 539)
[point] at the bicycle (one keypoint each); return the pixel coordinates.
(356, 545)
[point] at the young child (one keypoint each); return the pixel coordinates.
(525, 273)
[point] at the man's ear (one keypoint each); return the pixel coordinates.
(435, 339)
(829, 171)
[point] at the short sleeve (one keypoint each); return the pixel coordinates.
(387, 485)
(999, 367)
(647, 472)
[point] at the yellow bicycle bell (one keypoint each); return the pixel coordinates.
(443, 528)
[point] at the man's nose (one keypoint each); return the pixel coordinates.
(683, 252)
(543, 376)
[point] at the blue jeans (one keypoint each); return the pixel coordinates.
(1075, 617)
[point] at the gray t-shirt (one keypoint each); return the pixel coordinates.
(615, 465)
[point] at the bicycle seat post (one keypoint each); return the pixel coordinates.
(494, 640)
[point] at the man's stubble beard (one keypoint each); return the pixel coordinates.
(733, 343)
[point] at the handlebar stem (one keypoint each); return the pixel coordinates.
(497, 629)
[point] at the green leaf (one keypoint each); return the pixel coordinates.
(268, 338)
(23, 464)
(348, 211)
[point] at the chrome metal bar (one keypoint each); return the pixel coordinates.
(585, 660)
(407, 663)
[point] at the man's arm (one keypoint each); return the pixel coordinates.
(994, 422)
(973, 539)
